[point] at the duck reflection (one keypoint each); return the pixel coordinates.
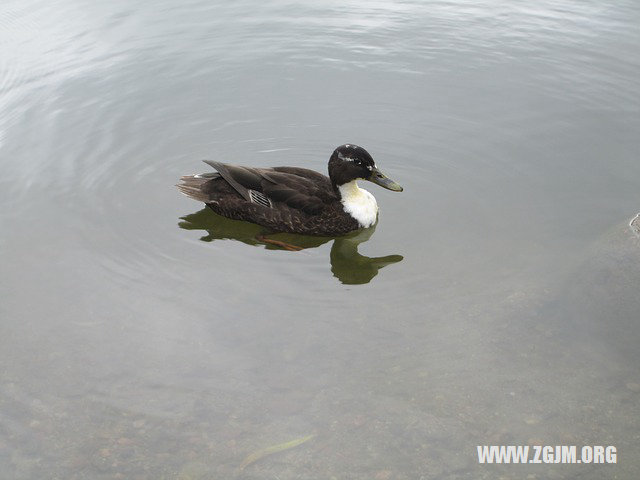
(347, 265)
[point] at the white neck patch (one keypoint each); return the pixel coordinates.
(359, 203)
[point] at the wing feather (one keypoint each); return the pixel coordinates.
(298, 188)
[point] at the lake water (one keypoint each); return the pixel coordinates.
(496, 303)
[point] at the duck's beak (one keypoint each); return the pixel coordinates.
(381, 179)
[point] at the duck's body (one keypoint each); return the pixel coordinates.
(292, 199)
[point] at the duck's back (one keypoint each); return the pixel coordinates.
(283, 199)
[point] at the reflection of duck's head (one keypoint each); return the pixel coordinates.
(346, 263)
(349, 266)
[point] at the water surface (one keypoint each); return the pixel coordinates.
(495, 303)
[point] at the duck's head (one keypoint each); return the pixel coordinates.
(350, 162)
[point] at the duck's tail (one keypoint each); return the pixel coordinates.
(194, 186)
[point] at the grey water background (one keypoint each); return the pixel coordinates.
(131, 348)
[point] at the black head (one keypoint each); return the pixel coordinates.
(350, 162)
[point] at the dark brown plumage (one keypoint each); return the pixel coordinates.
(286, 199)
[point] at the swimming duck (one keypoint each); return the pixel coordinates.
(293, 199)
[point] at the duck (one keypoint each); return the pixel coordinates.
(294, 199)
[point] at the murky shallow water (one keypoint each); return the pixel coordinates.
(143, 337)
